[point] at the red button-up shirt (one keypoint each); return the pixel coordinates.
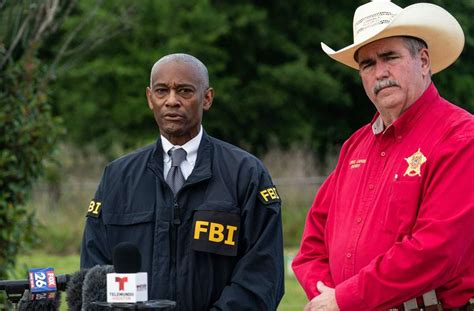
(396, 217)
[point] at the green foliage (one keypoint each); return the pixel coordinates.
(27, 134)
(33, 50)
(273, 83)
(28, 130)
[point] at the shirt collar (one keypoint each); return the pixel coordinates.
(191, 147)
(377, 124)
(405, 122)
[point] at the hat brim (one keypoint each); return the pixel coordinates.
(431, 23)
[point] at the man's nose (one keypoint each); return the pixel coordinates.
(173, 99)
(382, 71)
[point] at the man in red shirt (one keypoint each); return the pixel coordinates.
(394, 221)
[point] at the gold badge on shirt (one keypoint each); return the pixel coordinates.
(415, 161)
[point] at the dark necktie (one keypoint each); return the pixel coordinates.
(175, 178)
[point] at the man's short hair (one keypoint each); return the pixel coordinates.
(185, 58)
(414, 45)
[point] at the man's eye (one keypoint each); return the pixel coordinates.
(185, 91)
(366, 66)
(161, 91)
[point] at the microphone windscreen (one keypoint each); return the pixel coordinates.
(95, 287)
(26, 304)
(126, 258)
(74, 290)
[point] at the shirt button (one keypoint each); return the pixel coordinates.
(359, 220)
(382, 154)
(371, 187)
(348, 255)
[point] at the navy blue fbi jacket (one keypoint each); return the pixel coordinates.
(217, 245)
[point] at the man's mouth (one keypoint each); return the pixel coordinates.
(173, 116)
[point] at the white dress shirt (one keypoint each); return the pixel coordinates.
(191, 148)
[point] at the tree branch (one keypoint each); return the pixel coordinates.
(15, 41)
(67, 42)
(51, 7)
(71, 5)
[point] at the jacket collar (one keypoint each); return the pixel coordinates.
(203, 168)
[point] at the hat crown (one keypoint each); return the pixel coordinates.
(373, 17)
(381, 19)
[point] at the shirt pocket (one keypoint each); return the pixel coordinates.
(402, 208)
(216, 228)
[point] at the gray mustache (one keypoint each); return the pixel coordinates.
(383, 84)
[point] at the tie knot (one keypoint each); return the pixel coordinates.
(177, 156)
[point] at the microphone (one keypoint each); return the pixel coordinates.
(50, 304)
(16, 291)
(74, 290)
(94, 288)
(126, 258)
(127, 284)
(61, 283)
(126, 289)
(40, 291)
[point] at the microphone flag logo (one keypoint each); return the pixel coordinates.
(127, 287)
(42, 283)
(121, 281)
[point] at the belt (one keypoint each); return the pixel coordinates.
(467, 307)
(428, 302)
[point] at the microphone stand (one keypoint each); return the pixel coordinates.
(145, 305)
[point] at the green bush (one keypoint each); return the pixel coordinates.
(28, 133)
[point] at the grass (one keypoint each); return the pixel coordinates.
(294, 298)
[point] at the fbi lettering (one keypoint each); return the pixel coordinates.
(94, 208)
(216, 232)
(269, 195)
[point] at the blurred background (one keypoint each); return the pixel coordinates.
(72, 97)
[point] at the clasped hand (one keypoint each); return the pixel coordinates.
(325, 301)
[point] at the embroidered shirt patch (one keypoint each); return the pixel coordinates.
(269, 195)
(216, 232)
(94, 209)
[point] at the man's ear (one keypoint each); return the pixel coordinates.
(148, 97)
(208, 98)
(425, 61)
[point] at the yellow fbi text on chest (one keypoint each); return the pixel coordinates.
(215, 232)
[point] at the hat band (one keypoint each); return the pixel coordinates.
(373, 20)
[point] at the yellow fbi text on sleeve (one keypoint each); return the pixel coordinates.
(94, 208)
(269, 195)
(215, 232)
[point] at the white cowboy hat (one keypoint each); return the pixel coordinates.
(381, 19)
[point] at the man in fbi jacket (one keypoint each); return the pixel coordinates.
(204, 214)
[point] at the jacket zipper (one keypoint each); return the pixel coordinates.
(176, 223)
